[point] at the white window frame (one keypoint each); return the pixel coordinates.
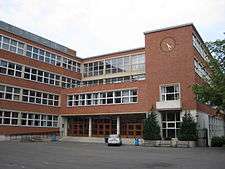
(168, 85)
(73, 82)
(171, 122)
(52, 57)
(99, 100)
(29, 96)
(199, 46)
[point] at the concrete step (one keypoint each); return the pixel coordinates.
(95, 140)
(83, 139)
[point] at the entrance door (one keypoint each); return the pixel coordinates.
(170, 123)
(102, 127)
(132, 130)
(78, 127)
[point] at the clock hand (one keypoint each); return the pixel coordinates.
(169, 46)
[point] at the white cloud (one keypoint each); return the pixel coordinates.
(94, 27)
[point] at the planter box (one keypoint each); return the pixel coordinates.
(186, 144)
(157, 143)
(164, 143)
(149, 143)
(168, 143)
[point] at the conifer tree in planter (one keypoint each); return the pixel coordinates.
(151, 128)
(188, 129)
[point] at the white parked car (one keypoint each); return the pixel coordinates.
(114, 139)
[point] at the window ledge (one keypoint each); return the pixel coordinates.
(169, 105)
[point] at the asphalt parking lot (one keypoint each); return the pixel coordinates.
(68, 155)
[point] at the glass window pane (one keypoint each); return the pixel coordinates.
(171, 116)
(169, 89)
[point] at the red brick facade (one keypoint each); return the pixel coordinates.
(161, 67)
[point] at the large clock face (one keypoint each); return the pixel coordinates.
(167, 44)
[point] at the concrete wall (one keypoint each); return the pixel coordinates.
(213, 124)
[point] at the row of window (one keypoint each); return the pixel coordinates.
(21, 71)
(28, 96)
(170, 92)
(101, 98)
(15, 118)
(37, 53)
(199, 47)
(18, 70)
(114, 80)
(200, 70)
(115, 65)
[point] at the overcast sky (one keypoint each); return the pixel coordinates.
(94, 27)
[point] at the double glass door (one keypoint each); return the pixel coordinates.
(78, 127)
(101, 127)
(132, 130)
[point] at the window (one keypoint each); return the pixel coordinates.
(125, 96)
(11, 69)
(199, 46)
(16, 70)
(27, 119)
(93, 69)
(3, 67)
(170, 92)
(138, 63)
(29, 51)
(118, 97)
(35, 53)
(8, 118)
(101, 98)
(201, 71)
(109, 97)
(9, 93)
(114, 80)
(69, 83)
(170, 124)
(30, 96)
(2, 92)
(58, 61)
(21, 48)
(134, 63)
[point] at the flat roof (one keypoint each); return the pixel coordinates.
(170, 27)
(35, 38)
(177, 26)
(48, 43)
(112, 53)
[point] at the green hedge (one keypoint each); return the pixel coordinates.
(218, 141)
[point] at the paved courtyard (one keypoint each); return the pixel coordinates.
(67, 155)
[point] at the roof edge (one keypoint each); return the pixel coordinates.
(36, 38)
(168, 28)
(111, 53)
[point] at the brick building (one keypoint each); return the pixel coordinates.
(46, 88)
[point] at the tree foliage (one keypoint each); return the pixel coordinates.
(217, 49)
(213, 92)
(188, 128)
(151, 128)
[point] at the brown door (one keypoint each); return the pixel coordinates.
(132, 130)
(102, 128)
(78, 129)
